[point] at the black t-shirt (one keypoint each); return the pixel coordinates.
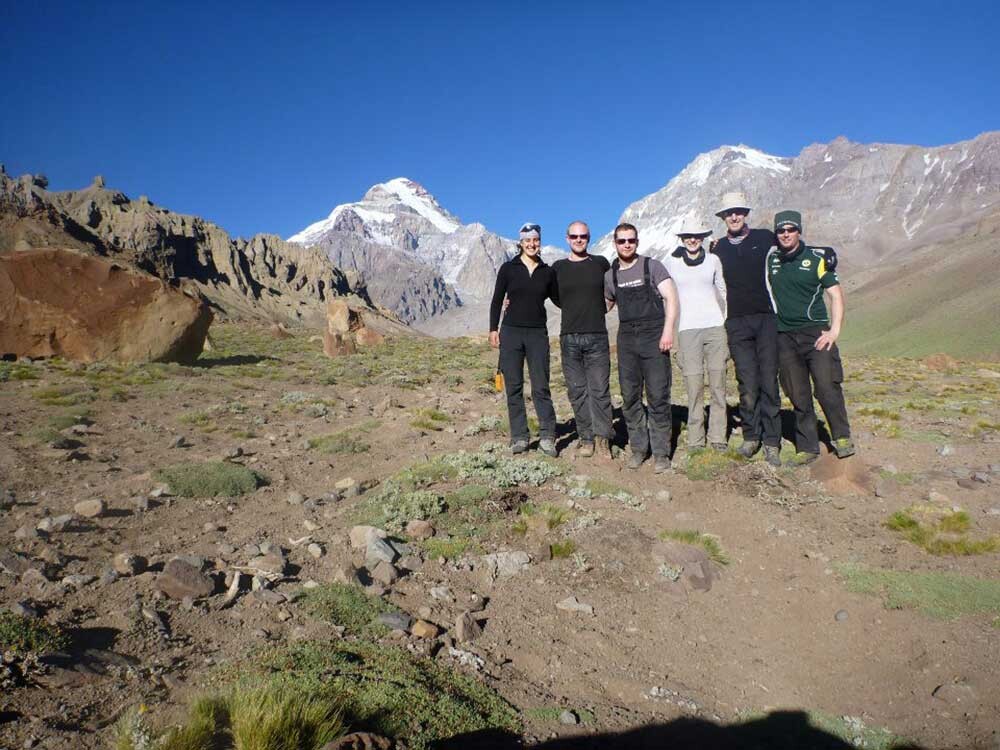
(527, 294)
(744, 269)
(581, 294)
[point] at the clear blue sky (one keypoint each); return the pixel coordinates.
(262, 117)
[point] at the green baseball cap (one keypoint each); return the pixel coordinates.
(788, 217)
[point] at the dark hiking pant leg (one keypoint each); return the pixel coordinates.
(575, 374)
(512, 355)
(597, 362)
(743, 350)
(657, 377)
(769, 401)
(827, 376)
(537, 354)
(630, 378)
(795, 380)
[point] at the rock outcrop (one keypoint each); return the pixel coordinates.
(345, 330)
(262, 279)
(69, 304)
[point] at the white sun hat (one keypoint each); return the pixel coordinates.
(731, 201)
(694, 227)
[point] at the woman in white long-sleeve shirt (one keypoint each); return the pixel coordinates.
(701, 290)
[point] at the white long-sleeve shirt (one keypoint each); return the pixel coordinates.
(701, 290)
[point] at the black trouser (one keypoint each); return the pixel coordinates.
(642, 364)
(799, 360)
(586, 363)
(753, 347)
(518, 344)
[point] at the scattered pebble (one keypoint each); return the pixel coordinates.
(841, 615)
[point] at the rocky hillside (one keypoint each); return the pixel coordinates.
(867, 200)
(414, 256)
(263, 278)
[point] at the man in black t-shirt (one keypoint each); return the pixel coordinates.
(583, 340)
(751, 327)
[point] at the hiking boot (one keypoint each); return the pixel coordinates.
(519, 446)
(844, 447)
(802, 458)
(661, 465)
(635, 460)
(548, 447)
(585, 449)
(720, 447)
(748, 448)
(772, 455)
(603, 449)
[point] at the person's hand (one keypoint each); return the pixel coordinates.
(826, 340)
(495, 339)
(666, 342)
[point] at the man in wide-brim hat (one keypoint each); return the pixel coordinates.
(701, 337)
(751, 327)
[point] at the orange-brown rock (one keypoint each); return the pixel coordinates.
(85, 308)
(346, 330)
(940, 362)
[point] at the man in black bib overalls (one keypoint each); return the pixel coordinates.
(639, 286)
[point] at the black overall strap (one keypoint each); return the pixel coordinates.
(614, 276)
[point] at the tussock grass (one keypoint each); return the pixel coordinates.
(940, 531)
(210, 479)
(391, 691)
(940, 595)
(14, 371)
(344, 442)
(430, 419)
(26, 635)
(63, 396)
(275, 716)
(561, 550)
(707, 464)
(449, 549)
(878, 412)
(708, 542)
(553, 516)
(550, 714)
(347, 606)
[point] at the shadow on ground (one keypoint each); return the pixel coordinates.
(781, 730)
(236, 359)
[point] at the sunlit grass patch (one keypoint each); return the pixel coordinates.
(940, 595)
(707, 463)
(940, 531)
(344, 442)
(448, 547)
(708, 542)
(551, 714)
(430, 419)
(28, 635)
(550, 516)
(17, 371)
(879, 412)
(349, 607)
(63, 396)
(562, 549)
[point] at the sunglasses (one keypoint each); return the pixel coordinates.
(530, 228)
(627, 241)
(788, 230)
(578, 236)
(734, 212)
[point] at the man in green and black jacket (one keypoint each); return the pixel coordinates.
(797, 277)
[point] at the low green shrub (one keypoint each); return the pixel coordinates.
(349, 607)
(210, 479)
(26, 635)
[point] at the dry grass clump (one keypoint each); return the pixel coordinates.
(210, 479)
(708, 542)
(940, 531)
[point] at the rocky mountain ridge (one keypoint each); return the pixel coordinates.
(866, 200)
(263, 278)
(413, 255)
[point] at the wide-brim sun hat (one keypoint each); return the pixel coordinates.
(731, 201)
(694, 228)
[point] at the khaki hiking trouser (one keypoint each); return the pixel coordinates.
(704, 349)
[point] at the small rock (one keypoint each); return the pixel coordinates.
(311, 526)
(379, 549)
(569, 718)
(210, 527)
(359, 536)
(90, 508)
(441, 593)
(946, 450)
(419, 529)
(467, 628)
(233, 453)
(572, 604)
(315, 550)
(54, 524)
(261, 634)
(385, 573)
(182, 578)
(477, 603)
(412, 563)
(26, 532)
(140, 504)
(23, 609)
(841, 615)
(939, 498)
(33, 577)
(269, 597)
(359, 741)
(982, 477)
(347, 574)
(967, 484)
(109, 576)
(273, 563)
(295, 498)
(127, 564)
(78, 580)
(65, 444)
(348, 487)
(424, 629)
(395, 620)
(180, 442)
(505, 564)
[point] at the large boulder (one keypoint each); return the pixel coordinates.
(85, 308)
(345, 330)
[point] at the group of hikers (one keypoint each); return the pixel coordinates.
(755, 295)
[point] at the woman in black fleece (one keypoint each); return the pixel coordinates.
(526, 281)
